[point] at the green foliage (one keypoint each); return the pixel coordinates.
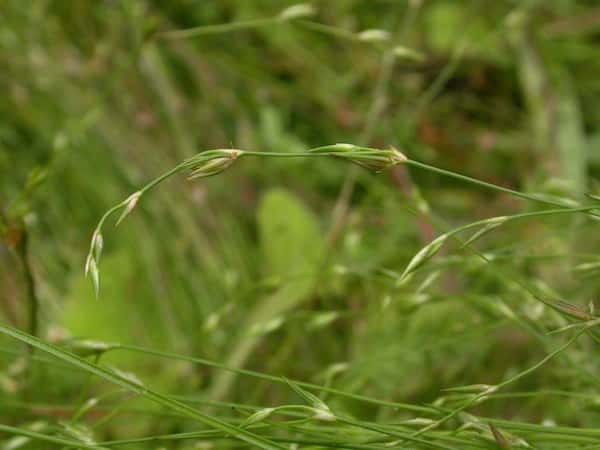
(284, 297)
(291, 239)
(293, 248)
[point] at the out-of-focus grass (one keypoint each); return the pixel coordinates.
(257, 268)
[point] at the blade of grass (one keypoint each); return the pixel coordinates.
(484, 395)
(46, 438)
(139, 389)
(280, 380)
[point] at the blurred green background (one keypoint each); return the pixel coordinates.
(288, 266)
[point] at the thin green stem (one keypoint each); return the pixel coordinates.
(484, 395)
(481, 183)
(219, 28)
(46, 438)
(281, 380)
(329, 30)
(139, 389)
(392, 433)
(164, 176)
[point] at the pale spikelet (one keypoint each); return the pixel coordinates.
(321, 410)
(335, 369)
(593, 196)
(79, 432)
(91, 262)
(505, 310)
(343, 147)
(573, 310)
(261, 329)
(397, 157)
(473, 389)
(322, 320)
(97, 244)
(95, 274)
(87, 347)
(499, 437)
(88, 263)
(388, 159)
(212, 322)
(129, 204)
(298, 11)
(407, 53)
(324, 415)
(217, 162)
(424, 255)
(258, 416)
(587, 267)
(418, 421)
(129, 376)
(488, 226)
(369, 158)
(373, 35)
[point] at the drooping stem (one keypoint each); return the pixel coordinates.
(481, 183)
(213, 162)
(218, 28)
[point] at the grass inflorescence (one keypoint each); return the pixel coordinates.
(265, 293)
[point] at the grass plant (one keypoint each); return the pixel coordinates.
(429, 285)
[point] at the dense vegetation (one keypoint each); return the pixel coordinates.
(438, 294)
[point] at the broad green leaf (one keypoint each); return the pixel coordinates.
(290, 236)
(292, 245)
(109, 318)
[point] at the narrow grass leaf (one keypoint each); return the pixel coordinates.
(35, 435)
(141, 390)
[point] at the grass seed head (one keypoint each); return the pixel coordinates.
(319, 407)
(374, 35)
(87, 347)
(97, 244)
(397, 157)
(424, 255)
(218, 161)
(129, 204)
(299, 11)
(499, 437)
(324, 415)
(369, 158)
(91, 268)
(419, 421)
(407, 53)
(574, 311)
(258, 416)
